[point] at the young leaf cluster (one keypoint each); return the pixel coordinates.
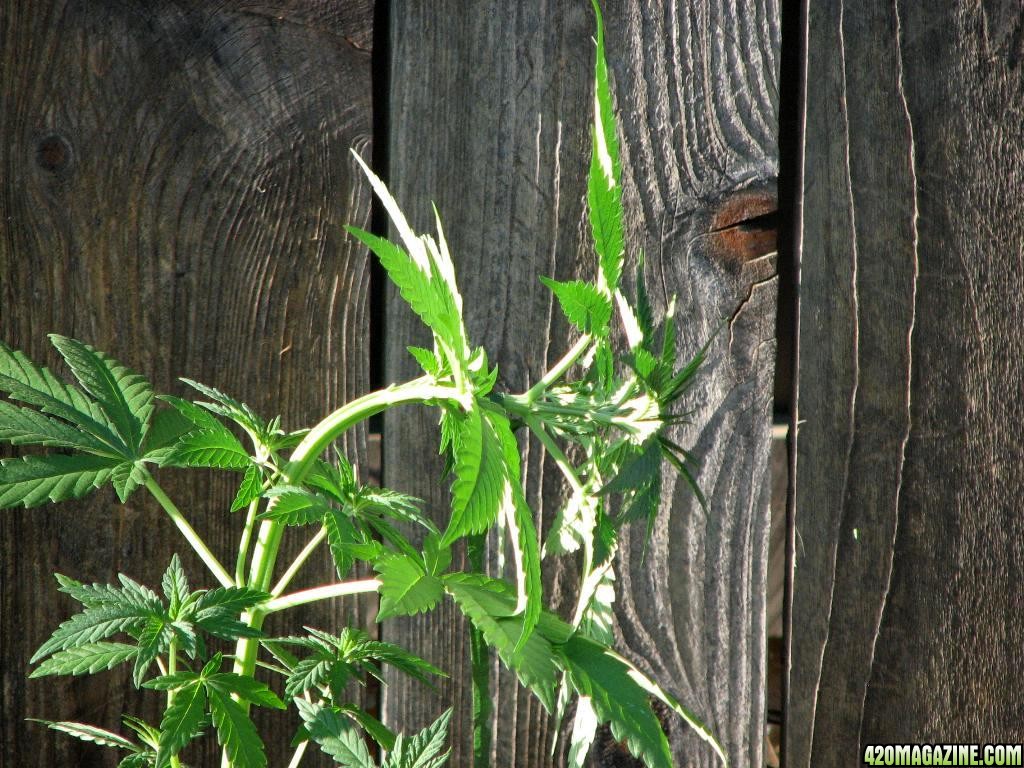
(80, 645)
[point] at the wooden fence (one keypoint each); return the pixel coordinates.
(175, 177)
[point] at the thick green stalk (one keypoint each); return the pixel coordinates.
(189, 533)
(268, 540)
(246, 541)
(172, 667)
(480, 663)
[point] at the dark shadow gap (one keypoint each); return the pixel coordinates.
(792, 91)
(380, 79)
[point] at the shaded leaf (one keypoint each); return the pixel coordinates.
(491, 606)
(406, 588)
(596, 672)
(424, 749)
(35, 480)
(292, 505)
(235, 731)
(125, 396)
(86, 659)
(250, 488)
(340, 534)
(216, 448)
(126, 477)
(245, 688)
(583, 304)
(175, 585)
(23, 426)
(481, 483)
(335, 734)
(182, 721)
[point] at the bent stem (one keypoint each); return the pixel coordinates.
(189, 533)
(268, 541)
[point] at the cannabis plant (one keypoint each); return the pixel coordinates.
(200, 648)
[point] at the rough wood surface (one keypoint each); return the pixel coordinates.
(490, 107)
(908, 571)
(173, 183)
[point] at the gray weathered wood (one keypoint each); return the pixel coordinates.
(908, 570)
(174, 181)
(490, 107)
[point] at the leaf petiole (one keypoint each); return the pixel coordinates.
(319, 593)
(537, 427)
(558, 370)
(299, 561)
(297, 755)
(189, 533)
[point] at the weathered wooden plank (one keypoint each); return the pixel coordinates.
(908, 565)
(702, 159)
(490, 108)
(488, 118)
(174, 181)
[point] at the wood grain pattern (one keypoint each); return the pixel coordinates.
(701, 154)
(488, 115)
(174, 180)
(489, 111)
(907, 596)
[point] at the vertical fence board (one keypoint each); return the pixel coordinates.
(489, 116)
(907, 582)
(489, 107)
(174, 180)
(697, 86)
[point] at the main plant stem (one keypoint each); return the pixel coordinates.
(172, 667)
(268, 539)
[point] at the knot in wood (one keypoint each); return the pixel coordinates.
(744, 227)
(53, 153)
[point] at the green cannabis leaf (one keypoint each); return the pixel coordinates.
(407, 587)
(106, 424)
(79, 644)
(491, 606)
(336, 660)
(125, 397)
(214, 692)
